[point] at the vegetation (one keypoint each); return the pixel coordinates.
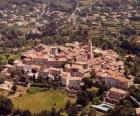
(41, 101)
(33, 90)
(6, 106)
(124, 108)
(135, 92)
(108, 34)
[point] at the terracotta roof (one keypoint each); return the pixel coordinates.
(77, 66)
(33, 54)
(75, 78)
(111, 74)
(104, 66)
(120, 91)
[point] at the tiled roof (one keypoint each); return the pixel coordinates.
(120, 91)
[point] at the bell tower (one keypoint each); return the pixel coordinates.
(90, 48)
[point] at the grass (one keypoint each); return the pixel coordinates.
(41, 101)
(93, 89)
(88, 108)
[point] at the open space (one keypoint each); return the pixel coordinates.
(41, 101)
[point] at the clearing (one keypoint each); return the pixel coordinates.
(39, 101)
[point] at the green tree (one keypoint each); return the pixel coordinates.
(73, 110)
(96, 100)
(1, 80)
(26, 113)
(120, 110)
(11, 61)
(67, 105)
(82, 98)
(7, 56)
(14, 88)
(87, 82)
(6, 106)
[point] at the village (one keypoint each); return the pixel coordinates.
(38, 14)
(67, 65)
(82, 51)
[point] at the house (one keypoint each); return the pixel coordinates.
(69, 81)
(73, 74)
(114, 95)
(72, 62)
(5, 73)
(113, 79)
(6, 85)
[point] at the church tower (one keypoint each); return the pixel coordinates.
(90, 48)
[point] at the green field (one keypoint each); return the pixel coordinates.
(41, 101)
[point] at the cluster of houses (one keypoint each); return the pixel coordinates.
(72, 62)
(24, 15)
(106, 12)
(38, 14)
(110, 69)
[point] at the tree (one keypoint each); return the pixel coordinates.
(26, 113)
(1, 67)
(11, 61)
(102, 88)
(96, 101)
(87, 82)
(6, 106)
(14, 88)
(120, 110)
(1, 80)
(135, 92)
(20, 112)
(82, 98)
(137, 80)
(73, 110)
(2, 60)
(67, 105)
(53, 112)
(43, 113)
(7, 56)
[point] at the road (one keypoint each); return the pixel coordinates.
(135, 100)
(74, 12)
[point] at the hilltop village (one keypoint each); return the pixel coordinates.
(67, 65)
(71, 63)
(70, 56)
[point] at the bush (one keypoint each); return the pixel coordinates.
(41, 85)
(96, 101)
(11, 61)
(83, 98)
(6, 106)
(1, 80)
(33, 90)
(96, 55)
(137, 80)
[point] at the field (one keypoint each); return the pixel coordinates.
(41, 101)
(93, 89)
